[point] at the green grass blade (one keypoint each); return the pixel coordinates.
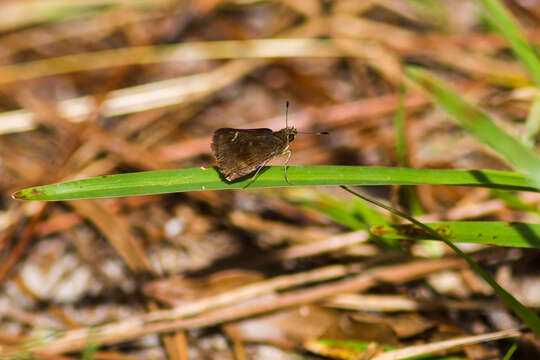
(352, 213)
(525, 314)
(401, 150)
(511, 351)
(502, 21)
(167, 181)
(400, 130)
(532, 125)
(338, 210)
(479, 232)
(512, 201)
(499, 17)
(479, 124)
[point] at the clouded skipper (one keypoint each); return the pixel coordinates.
(240, 152)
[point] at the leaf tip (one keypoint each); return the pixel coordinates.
(18, 195)
(413, 70)
(422, 77)
(27, 194)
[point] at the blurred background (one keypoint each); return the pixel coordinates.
(95, 87)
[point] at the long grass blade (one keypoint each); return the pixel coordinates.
(479, 124)
(479, 232)
(196, 179)
(525, 314)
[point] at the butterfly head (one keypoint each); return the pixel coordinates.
(290, 132)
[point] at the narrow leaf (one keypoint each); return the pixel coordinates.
(196, 179)
(479, 124)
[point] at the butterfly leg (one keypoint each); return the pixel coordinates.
(288, 152)
(256, 174)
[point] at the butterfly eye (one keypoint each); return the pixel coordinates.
(291, 137)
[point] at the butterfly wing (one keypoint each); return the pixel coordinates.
(241, 151)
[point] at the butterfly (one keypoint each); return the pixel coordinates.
(240, 152)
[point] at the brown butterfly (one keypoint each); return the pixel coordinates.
(240, 152)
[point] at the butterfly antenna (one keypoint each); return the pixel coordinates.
(314, 132)
(287, 121)
(287, 113)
